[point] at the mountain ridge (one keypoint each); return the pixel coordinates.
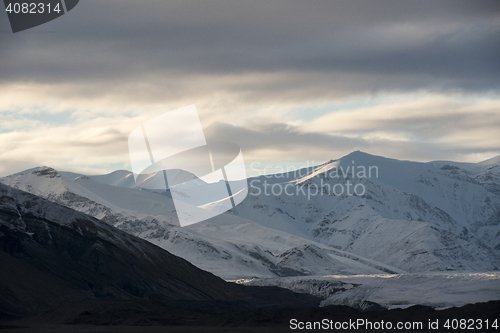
(413, 217)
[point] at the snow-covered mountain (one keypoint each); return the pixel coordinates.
(227, 245)
(486, 172)
(406, 216)
(414, 216)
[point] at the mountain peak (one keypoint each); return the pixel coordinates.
(47, 172)
(356, 153)
(359, 157)
(359, 153)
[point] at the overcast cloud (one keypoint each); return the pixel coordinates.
(287, 80)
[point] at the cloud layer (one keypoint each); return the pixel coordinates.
(287, 80)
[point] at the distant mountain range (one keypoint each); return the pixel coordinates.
(405, 217)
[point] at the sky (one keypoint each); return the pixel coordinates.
(293, 83)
